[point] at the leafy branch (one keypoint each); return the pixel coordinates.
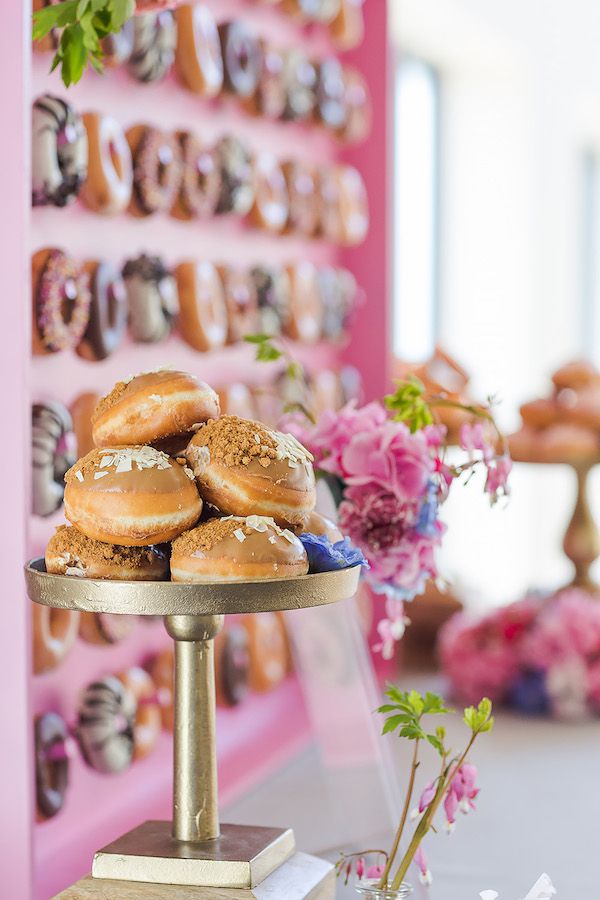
(268, 351)
(83, 25)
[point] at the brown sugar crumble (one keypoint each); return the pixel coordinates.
(106, 403)
(236, 442)
(69, 542)
(205, 536)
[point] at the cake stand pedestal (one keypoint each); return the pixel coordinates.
(194, 849)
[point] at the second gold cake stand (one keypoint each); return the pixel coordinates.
(193, 849)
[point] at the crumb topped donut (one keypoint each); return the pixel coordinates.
(242, 467)
(70, 552)
(152, 406)
(237, 549)
(133, 496)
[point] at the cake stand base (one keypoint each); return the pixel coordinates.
(242, 857)
(302, 877)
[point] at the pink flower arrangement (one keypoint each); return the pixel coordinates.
(538, 655)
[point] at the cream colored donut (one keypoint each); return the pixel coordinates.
(242, 468)
(202, 311)
(199, 61)
(318, 524)
(70, 552)
(237, 549)
(152, 406)
(271, 205)
(305, 314)
(54, 633)
(134, 496)
(109, 182)
(147, 720)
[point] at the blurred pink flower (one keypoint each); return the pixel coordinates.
(360, 867)
(472, 439)
(427, 796)
(420, 860)
(389, 457)
(477, 659)
(328, 439)
(463, 786)
(496, 483)
(391, 629)
(374, 871)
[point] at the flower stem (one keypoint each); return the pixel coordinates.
(407, 799)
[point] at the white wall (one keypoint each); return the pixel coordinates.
(520, 102)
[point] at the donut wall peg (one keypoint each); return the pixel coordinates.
(194, 193)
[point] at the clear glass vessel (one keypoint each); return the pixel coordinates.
(369, 888)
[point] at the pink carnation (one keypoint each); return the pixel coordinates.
(391, 458)
(477, 659)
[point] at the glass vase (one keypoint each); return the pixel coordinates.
(369, 888)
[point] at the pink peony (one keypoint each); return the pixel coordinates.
(477, 659)
(328, 439)
(389, 457)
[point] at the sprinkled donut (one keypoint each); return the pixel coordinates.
(271, 205)
(154, 42)
(105, 724)
(54, 633)
(232, 665)
(59, 152)
(51, 455)
(147, 721)
(200, 179)
(331, 108)
(203, 314)
(303, 212)
(51, 737)
(152, 298)
(61, 301)
(156, 170)
(109, 183)
(305, 316)
(273, 290)
(331, 226)
(240, 302)
(300, 79)
(242, 58)
(237, 177)
(108, 312)
(199, 60)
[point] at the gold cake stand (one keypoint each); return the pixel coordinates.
(194, 849)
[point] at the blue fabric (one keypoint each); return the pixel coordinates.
(323, 556)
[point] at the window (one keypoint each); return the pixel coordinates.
(590, 257)
(416, 210)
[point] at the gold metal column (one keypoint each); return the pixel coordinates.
(195, 801)
(582, 541)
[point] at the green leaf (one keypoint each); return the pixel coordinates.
(391, 724)
(408, 404)
(56, 16)
(267, 353)
(122, 10)
(387, 707)
(82, 8)
(73, 53)
(436, 742)
(257, 338)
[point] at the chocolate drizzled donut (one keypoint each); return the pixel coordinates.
(59, 152)
(152, 298)
(105, 725)
(51, 763)
(51, 457)
(154, 42)
(273, 290)
(237, 178)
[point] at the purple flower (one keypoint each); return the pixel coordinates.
(323, 556)
(528, 693)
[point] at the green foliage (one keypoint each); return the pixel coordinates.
(405, 714)
(83, 24)
(266, 351)
(409, 405)
(481, 719)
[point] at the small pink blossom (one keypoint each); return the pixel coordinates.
(360, 867)
(374, 871)
(450, 808)
(391, 629)
(427, 796)
(496, 483)
(420, 860)
(472, 439)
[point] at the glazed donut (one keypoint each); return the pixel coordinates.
(354, 206)
(232, 665)
(559, 443)
(202, 314)
(69, 552)
(118, 46)
(200, 179)
(54, 633)
(154, 42)
(540, 413)
(330, 107)
(300, 80)
(237, 177)
(242, 467)
(59, 152)
(337, 288)
(348, 25)
(108, 312)
(318, 524)
(51, 455)
(270, 97)
(581, 407)
(330, 222)
(105, 724)
(81, 411)
(157, 170)
(269, 651)
(152, 406)
(237, 549)
(305, 316)
(576, 375)
(147, 721)
(303, 214)
(273, 290)
(109, 182)
(270, 209)
(105, 628)
(241, 303)
(326, 392)
(61, 301)
(358, 107)
(51, 739)
(133, 496)
(242, 58)
(151, 297)
(161, 671)
(199, 60)
(237, 400)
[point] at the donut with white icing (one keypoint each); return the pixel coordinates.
(105, 723)
(51, 455)
(154, 43)
(108, 187)
(300, 80)
(303, 205)
(108, 311)
(271, 203)
(242, 58)
(59, 152)
(199, 60)
(203, 313)
(152, 298)
(330, 107)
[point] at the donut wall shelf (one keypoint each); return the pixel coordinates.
(259, 735)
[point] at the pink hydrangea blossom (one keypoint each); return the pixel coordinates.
(477, 659)
(391, 458)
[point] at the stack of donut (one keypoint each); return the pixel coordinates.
(147, 170)
(564, 427)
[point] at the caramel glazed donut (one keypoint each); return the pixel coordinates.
(59, 152)
(151, 407)
(70, 552)
(242, 468)
(237, 549)
(133, 496)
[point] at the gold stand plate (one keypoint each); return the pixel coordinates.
(241, 857)
(169, 598)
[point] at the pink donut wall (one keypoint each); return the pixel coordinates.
(267, 729)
